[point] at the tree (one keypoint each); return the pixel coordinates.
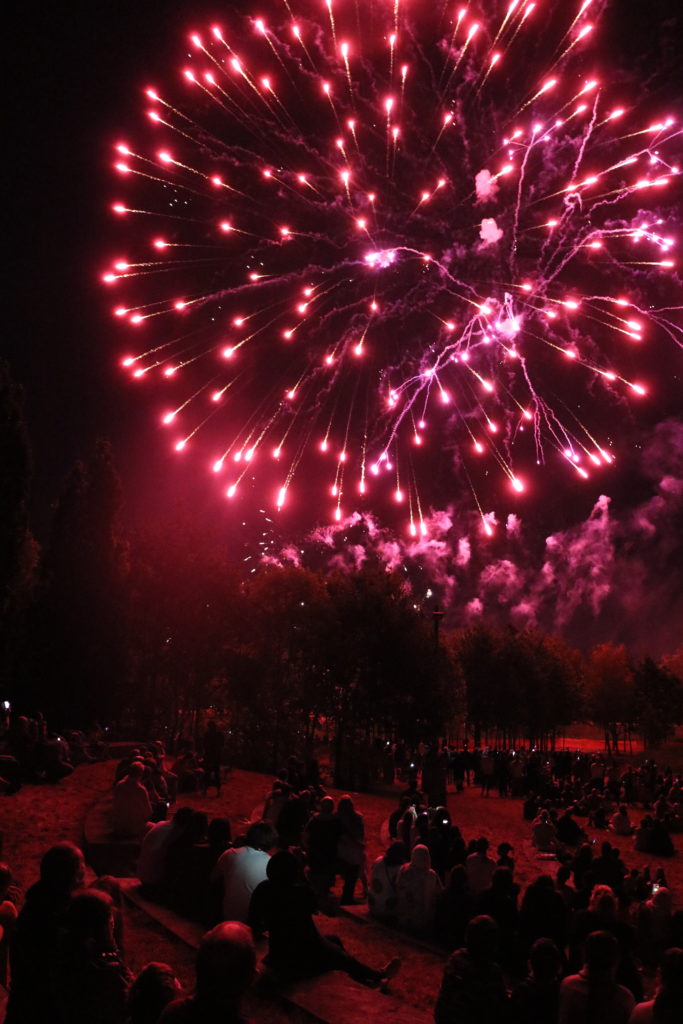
(658, 702)
(18, 550)
(519, 684)
(610, 693)
(384, 668)
(80, 616)
(188, 618)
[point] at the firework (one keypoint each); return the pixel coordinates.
(366, 238)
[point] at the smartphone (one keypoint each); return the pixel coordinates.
(655, 888)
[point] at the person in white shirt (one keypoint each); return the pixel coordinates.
(621, 823)
(243, 868)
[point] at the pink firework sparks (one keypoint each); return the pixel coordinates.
(349, 244)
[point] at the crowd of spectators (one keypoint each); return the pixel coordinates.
(30, 752)
(576, 944)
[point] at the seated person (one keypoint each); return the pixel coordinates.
(543, 833)
(131, 807)
(242, 869)
(284, 905)
(417, 890)
(621, 823)
(225, 967)
(383, 879)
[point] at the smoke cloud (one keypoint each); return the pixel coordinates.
(615, 575)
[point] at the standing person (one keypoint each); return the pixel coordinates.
(321, 837)
(350, 847)
(35, 939)
(593, 995)
(243, 868)
(213, 744)
(225, 967)
(472, 989)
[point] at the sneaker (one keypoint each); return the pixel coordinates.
(391, 969)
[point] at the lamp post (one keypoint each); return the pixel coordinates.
(437, 616)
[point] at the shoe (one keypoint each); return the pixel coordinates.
(391, 969)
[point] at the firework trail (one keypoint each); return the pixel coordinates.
(364, 234)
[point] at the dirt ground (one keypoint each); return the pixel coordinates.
(39, 816)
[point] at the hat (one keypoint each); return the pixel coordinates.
(505, 848)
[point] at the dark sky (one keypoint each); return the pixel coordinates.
(76, 73)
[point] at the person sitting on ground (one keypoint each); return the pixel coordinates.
(131, 807)
(621, 823)
(34, 942)
(154, 847)
(569, 832)
(243, 868)
(504, 859)
(500, 903)
(454, 909)
(472, 989)
(603, 915)
(536, 1000)
(150, 993)
(653, 925)
(593, 994)
(566, 891)
(383, 880)
(284, 906)
(90, 980)
(187, 872)
(417, 890)
(665, 1008)
(480, 867)
(543, 913)
(543, 833)
(225, 967)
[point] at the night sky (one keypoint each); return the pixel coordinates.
(76, 78)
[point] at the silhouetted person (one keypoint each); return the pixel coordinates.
(150, 993)
(226, 962)
(667, 1005)
(536, 1000)
(593, 996)
(472, 989)
(284, 906)
(90, 981)
(37, 932)
(213, 744)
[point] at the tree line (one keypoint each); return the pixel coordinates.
(153, 630)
